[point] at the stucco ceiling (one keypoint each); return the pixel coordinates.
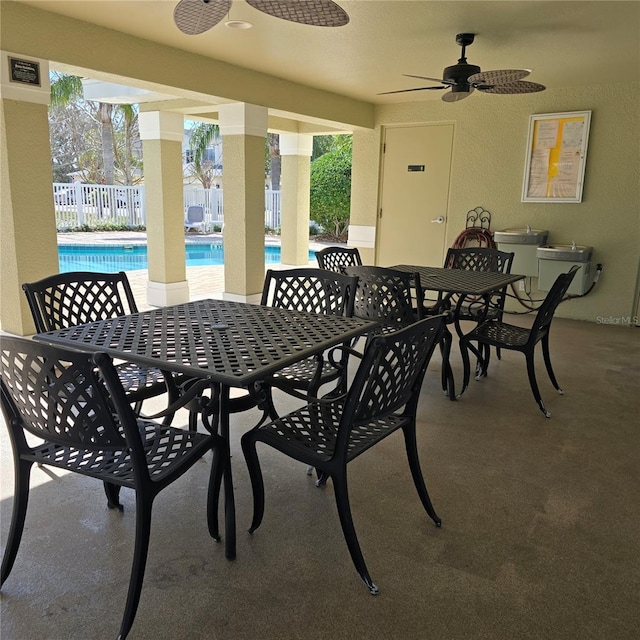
(565, 43)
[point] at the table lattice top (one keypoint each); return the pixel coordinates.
(461, 281)
(228, 342)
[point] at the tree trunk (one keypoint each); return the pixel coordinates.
(106, 132)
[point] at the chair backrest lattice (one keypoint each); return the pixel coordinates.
(479, 259)
(58, 395)
(390, 374)
(337, 258)
(312, 290)
(548, 308)
(386, 295)
(68, 299)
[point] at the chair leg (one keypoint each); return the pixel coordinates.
(20, 501)
(534, 384)
(448, 383)
(485, 350)
(547, 363)
(141, 548)
(112, 491)
(193, 421)
(218, 465)
(173, 393)
(255, 474)
(348, 530)
(418, 479)
(466, 364)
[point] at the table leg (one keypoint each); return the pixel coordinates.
(448, 382)
(477, 352)
(229, 499)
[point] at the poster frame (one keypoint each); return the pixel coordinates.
(537, 150)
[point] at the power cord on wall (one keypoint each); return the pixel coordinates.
(527, 304)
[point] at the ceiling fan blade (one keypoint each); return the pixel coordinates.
(514, 87)
(317, 13)
(197, 16)
(455, 96)
(499, 76)
(384, 93)
(408, 75)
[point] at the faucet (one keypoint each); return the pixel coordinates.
(573, 245)
(528, 229)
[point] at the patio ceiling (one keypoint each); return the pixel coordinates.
(565, 43)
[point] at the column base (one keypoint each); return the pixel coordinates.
(254, 298)
(166, 294)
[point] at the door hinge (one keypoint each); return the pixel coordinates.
(380, 213)
(384, 147)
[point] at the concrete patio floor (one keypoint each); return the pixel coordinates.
(540, 537)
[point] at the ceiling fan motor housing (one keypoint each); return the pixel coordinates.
(459, 74)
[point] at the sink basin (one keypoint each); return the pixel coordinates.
(569, 252)
(521, 236)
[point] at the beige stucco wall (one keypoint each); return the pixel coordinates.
(28, 249)
(109, 54)
(488, 156)
(488, 166)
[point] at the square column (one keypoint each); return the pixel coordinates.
(295, 151)
(27, 216)
(162, 134)
(367, 148)
(244, 130)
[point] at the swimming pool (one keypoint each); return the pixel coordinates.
(109, 258)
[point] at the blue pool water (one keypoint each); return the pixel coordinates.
(109, 258)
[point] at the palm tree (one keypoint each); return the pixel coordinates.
(273, 146)
(67, 88)
(203, 136)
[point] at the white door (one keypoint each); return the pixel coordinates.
(412, 219)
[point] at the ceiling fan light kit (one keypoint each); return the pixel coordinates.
(462, 78)
(197, 16)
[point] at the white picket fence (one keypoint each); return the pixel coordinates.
(96, 205)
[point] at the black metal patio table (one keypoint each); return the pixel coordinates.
(229, 344)
(465, 283)
(461, 281)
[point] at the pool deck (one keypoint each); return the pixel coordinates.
(204, 282)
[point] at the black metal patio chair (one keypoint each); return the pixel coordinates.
(330, 433)
(514, 338)
(315, 291)
(337, 258)
(68, 299)
(75, 405)
(387, 296)
(479, 259)
(479, 309)
(394, 298)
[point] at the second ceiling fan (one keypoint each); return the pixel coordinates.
(463, 78)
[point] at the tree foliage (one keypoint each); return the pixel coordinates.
(331, 186)
(204, 136)
(98, 141)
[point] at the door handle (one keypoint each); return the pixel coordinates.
(438, 220)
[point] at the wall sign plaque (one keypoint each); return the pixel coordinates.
(24, 71)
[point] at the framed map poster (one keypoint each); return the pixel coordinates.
(556, 157)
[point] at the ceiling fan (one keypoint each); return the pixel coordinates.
(463, 78)
(197, 16)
